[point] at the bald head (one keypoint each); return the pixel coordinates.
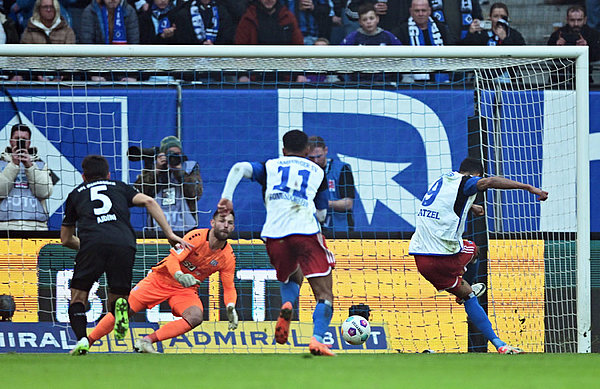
(420, 12)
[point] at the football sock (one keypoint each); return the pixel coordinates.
(481, 321)
(322, 318)
(289, 292)
(78, 319)
(171, 330)
(104, 327)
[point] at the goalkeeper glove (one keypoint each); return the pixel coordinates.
(186, 280)
(232, 316)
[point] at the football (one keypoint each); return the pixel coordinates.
(356, 330)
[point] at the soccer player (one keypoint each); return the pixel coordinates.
(437, 245)
(176, 278)
(294, 193)
(99, 208)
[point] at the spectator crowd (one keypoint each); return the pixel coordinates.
(279, 22)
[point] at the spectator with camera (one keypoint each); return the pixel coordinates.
(494, 32)
(25, 184)
(175, 183)
(577, 33)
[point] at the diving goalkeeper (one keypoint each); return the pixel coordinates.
(176, 278)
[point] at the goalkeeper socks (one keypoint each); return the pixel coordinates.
(103, 328)
(289, 292)
(481, 321)
(322, 318)
(171, 330)
(78, 319)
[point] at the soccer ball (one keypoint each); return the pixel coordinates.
(356, 330)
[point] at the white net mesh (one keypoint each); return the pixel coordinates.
(396, 136)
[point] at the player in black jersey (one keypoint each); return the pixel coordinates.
(99, 208)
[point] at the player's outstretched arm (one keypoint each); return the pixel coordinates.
(142, 200)
(235, 175)
(505, 183)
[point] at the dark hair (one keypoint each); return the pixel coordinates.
(295, 141)
(316, 141)
(364, 8)
(217, 213)
(576, 8)
(471, 165)
(95, 167)
(20, 127)
(499, 5)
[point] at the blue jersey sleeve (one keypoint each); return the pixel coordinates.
(322, 200)
(259, 173)
(470, 187)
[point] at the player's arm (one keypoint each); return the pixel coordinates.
(230, 294)
(142, 200)
(173, 263)
(68, 238)
(322, 201)
(235, 175)
(504, 183)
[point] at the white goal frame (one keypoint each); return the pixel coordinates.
(41, 53)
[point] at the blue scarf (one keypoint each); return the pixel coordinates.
(119, 36)
(197, 9)
(466, 10)
(159, 18)
(417, 37)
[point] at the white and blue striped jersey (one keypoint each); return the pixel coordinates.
(294, 188)
(442, 215)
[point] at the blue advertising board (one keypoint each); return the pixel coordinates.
(395, 141)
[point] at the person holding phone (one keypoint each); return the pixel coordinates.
(494, 32)
(25, 184)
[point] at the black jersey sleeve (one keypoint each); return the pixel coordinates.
(346, 183)
(129, 191)
(70, 218)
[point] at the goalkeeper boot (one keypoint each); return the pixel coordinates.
(318, 348)
(478, 288)
(81, 348)
(506, 349)
(143, 345)
(282, 327)
(121, 318)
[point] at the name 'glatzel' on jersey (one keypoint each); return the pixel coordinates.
(291, 184)
(100, 210)
(442, 214)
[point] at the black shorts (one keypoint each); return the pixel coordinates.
(115, 261)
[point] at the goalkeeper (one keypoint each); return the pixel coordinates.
(176, 278)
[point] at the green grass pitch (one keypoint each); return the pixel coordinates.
(419, 371)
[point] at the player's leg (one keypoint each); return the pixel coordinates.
(184, 303)
(283, 258)
(89, 265)
(78, 320)
(119, 274)
(316, 262)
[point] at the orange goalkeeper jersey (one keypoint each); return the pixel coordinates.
(201, 263)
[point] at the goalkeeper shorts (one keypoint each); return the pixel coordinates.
(152, 291)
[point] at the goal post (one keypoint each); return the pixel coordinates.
(396, 133)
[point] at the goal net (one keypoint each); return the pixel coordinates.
(396, 117)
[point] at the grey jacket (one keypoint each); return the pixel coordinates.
(92, 24)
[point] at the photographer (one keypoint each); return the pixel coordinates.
(25, 184)
(496, 33)
(577, 33)
(175, 183)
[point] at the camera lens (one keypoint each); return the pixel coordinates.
(21, 144)
(174, 159)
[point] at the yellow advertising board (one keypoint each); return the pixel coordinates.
(413, 315)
